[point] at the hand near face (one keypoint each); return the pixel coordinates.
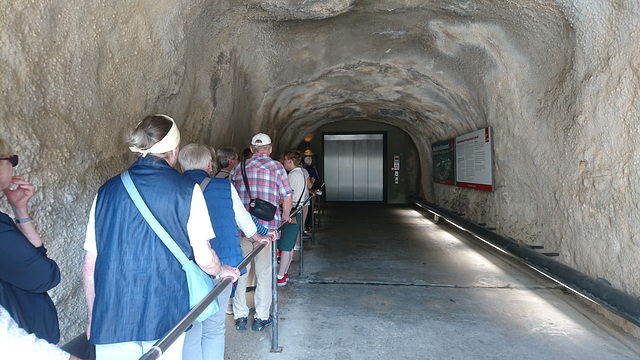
(19, 196)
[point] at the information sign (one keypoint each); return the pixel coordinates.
(444, 162)
(474, 160)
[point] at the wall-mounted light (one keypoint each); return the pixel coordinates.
(307, 145)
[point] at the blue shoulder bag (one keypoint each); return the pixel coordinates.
(200, 283)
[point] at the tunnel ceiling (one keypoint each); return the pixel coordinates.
(433, 68)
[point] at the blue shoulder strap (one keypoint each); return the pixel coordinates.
(155, 225)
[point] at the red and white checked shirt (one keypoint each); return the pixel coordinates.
(268, 181)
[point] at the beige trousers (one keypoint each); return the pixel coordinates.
(263, 273)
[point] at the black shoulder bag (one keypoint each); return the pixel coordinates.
(259, 208)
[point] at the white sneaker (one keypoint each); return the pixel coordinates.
(296, 248)
(229, 310)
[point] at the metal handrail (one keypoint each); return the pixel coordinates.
(617, 301)
(170, 337)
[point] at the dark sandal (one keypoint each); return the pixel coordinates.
(259, 324)
(241, 323)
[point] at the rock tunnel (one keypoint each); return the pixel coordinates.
(557, 80)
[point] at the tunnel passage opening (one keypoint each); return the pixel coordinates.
(395, 143)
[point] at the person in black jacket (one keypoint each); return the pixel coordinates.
(26, 273)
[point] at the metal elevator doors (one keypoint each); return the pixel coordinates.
(353, 167)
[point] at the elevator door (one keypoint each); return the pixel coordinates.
(353, 167)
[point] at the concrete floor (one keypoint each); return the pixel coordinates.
(385, 282)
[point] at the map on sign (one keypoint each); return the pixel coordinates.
(444, 162)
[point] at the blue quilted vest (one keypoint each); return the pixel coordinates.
(223, 219)
(141, 289)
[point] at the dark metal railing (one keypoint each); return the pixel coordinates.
(619, 302)
(301, 233)
(170, 337)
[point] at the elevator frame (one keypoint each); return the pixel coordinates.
(385, 161)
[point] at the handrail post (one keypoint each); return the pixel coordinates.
(320, 213)
(274, 297)
(313, 220)
(300, 230)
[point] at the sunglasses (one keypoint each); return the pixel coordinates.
(13, 159)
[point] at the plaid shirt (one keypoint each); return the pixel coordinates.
(268, 181)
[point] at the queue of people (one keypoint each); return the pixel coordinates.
(135, 286)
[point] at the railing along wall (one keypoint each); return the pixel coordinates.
(617, 301)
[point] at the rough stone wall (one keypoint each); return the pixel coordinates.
(76, 76)
(600, 196)
(557, 80)
(567, 177)
(566, 160)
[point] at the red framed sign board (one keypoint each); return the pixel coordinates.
(473, 160)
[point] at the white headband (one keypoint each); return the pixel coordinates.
(168, 143)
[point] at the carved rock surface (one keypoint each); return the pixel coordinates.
(557, 80)
(305, 9)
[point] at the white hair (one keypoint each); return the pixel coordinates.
(195, 156)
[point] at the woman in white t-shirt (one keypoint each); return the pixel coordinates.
(290, 232)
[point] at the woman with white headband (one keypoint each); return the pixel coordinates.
(135, 288)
